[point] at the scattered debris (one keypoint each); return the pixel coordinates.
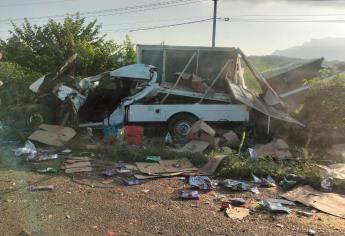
(331, 203)
(287, 184)
(237, 201)
(311, 232)
(232, 139)
(110, 173)
(33, 188)
(281, 201)
(28, 149)
(278, 148)
(166, 167)
(76, 164)
(256, 179)
(168, 139)
(48, 170)
(236, 185)
(211, 166)
(118, 168)
(334, 171)
(264, 182)
(53, 135)
(280, 226)
(254, 190)
(145, 190)
(66, 151)
(189, 194)
(252, 154)
(236, 213)
(201, 182)
(275, 206)
(200, 131)
(305, 213)
(326, 185)
(153, 159)
(199, 127)
(225, 205)
(194, 146)
(46, 156)
(134, 181)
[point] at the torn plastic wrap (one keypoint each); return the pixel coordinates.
(189, 194)
(201, 182)
(28, 149)
(275, 207)
(236, 185)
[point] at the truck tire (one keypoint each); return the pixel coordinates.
(179, 125)
(37, 114)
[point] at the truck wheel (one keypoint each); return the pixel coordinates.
(181, 124)
(37, 114)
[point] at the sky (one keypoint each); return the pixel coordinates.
(250, 25)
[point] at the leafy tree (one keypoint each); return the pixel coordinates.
(44, 48)
(14, 92)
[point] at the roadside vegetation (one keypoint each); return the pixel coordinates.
(323, 111)
(32, 51)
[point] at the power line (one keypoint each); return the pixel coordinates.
(123, 10)
(152, 21)
(164, 26)
(287, 15)
(287, 20)
(171, 25)
(33, 3)
(118, 13)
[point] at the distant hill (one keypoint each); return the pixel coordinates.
(271, 62)
(332, 49)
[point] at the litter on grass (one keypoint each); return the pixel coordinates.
(28, 149)
(236, 185)
(287, 184)
(153, 159)
(48, 170)
(264, 182)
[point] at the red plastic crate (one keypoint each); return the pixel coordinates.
(134, 134)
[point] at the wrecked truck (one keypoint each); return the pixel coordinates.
(141, 93)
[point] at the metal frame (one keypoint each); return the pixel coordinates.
(164, 48)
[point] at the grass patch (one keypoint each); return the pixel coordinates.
(238, 165)
(137, 154)
(235, 165)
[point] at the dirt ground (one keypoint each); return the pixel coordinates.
(89, 206)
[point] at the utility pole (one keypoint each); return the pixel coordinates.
(214, 23)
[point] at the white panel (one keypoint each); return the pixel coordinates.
(208, 112)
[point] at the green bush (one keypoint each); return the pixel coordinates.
(14, 92)
(323, 112)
